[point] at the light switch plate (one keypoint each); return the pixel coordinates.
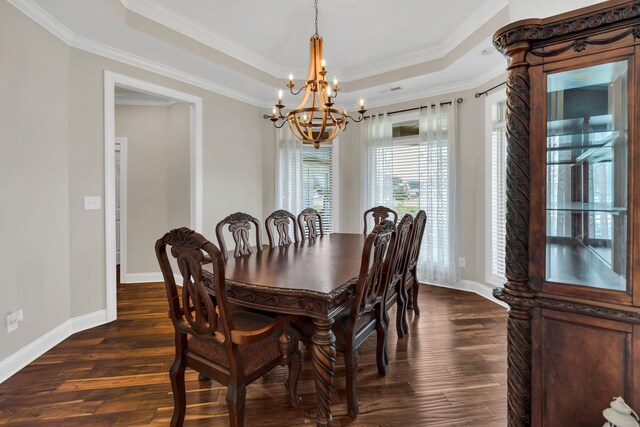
(92, 202)
(14, 319)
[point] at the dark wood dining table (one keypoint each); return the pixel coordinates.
(314, 278)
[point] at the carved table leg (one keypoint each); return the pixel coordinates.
(324, 365)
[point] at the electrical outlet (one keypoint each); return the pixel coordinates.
(13, 320)
(462, 262)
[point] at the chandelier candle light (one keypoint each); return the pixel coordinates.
(316, 119)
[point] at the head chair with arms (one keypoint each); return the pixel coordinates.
(232, 347)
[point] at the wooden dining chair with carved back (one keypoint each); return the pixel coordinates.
(396, 272)
(282, 221)
(312, 219)
(239, 225)
(232, 347)
(367, 310)
(378, 214)
(410, 279)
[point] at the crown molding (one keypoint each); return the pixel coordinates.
(55, 27)
(455, 38)
(197, 32)
(483, 78)
(51, 24)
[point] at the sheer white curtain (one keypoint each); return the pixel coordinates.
(437, 140)
(377, 177)
(289, 172)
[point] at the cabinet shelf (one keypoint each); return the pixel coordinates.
(582, 141)
(595, 147)
(587, 207)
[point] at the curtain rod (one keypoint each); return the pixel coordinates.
(486, 92)
(458, 101)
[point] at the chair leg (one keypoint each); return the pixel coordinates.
(416, 288)
(351, 365)
(236, 395)
(295, 368)
(410, 298)
(176, 374)
(401, 312)
(385, 351)
(382, 353)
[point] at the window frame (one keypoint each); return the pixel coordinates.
(490, 101)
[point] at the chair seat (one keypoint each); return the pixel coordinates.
(254, 356)
(306, 327)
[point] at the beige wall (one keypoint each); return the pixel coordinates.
(56, 261)
(232, 163)
(34, 219)
(157, 177)
(178, 183)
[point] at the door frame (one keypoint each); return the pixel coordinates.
(124, 145)
(111, 80)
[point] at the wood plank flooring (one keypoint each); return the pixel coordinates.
(450, 371)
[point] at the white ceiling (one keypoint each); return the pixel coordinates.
(245, 49)
(357, 33)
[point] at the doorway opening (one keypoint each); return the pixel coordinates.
(153, 175)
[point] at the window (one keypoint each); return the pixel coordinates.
(318, 188)
(411, 166)
(498, 187)
(408, 175)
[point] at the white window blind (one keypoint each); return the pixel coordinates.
(416, 176)
(317, 186)
(498, 189)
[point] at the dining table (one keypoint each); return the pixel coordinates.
(314, 278)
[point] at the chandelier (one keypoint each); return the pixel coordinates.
(317, 118)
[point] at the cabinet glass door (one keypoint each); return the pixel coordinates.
(587, 161)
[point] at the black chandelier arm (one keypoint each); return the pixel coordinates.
(298, 92)
(358, 120)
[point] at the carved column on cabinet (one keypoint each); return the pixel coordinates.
(517, 247)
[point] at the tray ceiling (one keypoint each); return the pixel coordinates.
(245, 49)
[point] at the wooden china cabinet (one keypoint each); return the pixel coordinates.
(573, 214)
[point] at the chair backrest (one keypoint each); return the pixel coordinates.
(312, 219)
(195, 312)
(281, 220)
(239, 225)
(371, 287)
(415, 242)
(378, 214)
(396, 262)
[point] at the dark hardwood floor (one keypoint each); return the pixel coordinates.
(449, 371)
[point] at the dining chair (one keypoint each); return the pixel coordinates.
(378, 214)
(239, 226)
(367, 311)
(396, 271)
(312, 219)
(410, 279)
(282, 221)
(232, 347)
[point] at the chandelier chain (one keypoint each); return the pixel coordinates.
(316, 5)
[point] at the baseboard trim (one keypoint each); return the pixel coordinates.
(133, 278)
(14, 363)
(485, 291)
